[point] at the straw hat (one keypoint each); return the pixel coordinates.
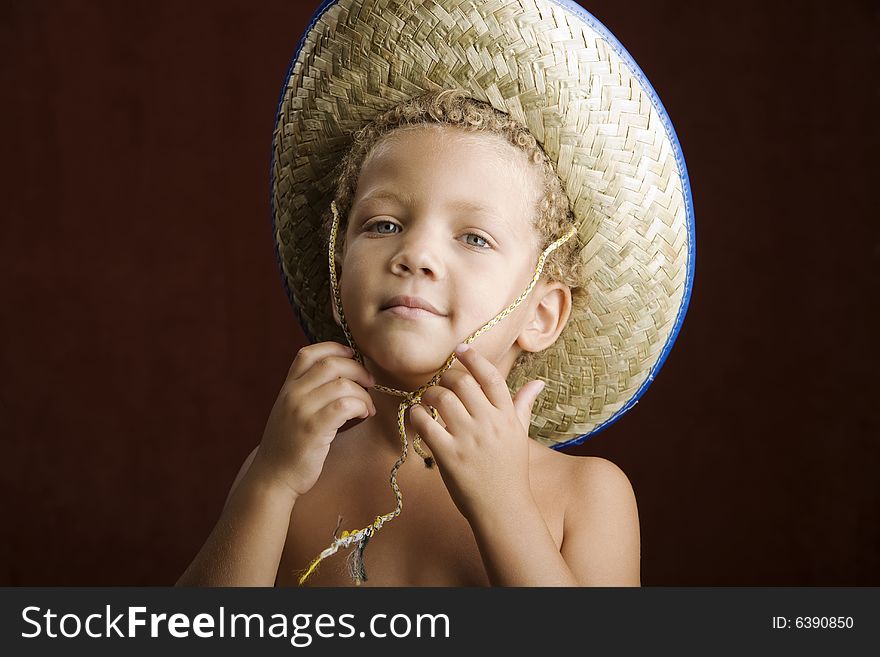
(556, 69)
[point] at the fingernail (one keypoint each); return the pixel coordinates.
(460, 349)
(540, 387)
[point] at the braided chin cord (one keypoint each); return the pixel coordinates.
(361, 537)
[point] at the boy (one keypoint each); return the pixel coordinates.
(420, 182)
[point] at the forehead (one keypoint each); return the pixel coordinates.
(467, 171)
(447, 137)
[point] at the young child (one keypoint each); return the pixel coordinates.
(456, 268)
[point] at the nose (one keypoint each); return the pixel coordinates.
(418, 253)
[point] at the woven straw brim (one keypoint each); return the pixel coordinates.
(558, 71)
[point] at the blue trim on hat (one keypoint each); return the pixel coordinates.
(617, 47)
(278, 258)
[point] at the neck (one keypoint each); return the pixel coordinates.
(383, 427)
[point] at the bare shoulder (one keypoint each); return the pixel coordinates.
(599, 478)
(601, 538)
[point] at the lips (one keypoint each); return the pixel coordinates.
(412, 302)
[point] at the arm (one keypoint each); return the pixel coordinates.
(482, 451)
(245, 547)
(517, 548)
(324, 389)
(601, 536)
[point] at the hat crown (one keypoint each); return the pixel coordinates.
(552, 66)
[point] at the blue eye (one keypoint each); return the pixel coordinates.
(386, 223)
(482, 246)
(483, 243)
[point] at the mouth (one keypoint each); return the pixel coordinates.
(406, 306)
(410, 313)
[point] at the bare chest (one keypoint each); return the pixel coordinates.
(429, 544)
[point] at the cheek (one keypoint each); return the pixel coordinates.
(355, 263)
(495, 292)
(477, 302)
(354, 275)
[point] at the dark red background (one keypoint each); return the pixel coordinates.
(145, 331)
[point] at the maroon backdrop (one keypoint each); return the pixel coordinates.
(145, 331)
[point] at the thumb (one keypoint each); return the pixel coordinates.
(525, 399)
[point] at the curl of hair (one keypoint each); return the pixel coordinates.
(453, 108)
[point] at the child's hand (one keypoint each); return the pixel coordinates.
(483, 453)
(324, 389)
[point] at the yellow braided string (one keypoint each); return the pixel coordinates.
(410, 399)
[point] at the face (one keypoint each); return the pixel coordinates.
(446, 217)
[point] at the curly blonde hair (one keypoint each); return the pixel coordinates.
(454, 109)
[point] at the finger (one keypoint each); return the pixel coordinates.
(486, 374)
(330, 368)
(449, 406)
(432, 434)
(339, 411)
(310, 354)
(336, 389)
(469, 392)
(525, 399)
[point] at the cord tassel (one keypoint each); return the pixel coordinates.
(357, 567)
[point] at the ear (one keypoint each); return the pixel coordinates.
(548, 315)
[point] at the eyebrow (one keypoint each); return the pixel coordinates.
(388, 195)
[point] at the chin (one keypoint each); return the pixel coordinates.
(408, 361)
